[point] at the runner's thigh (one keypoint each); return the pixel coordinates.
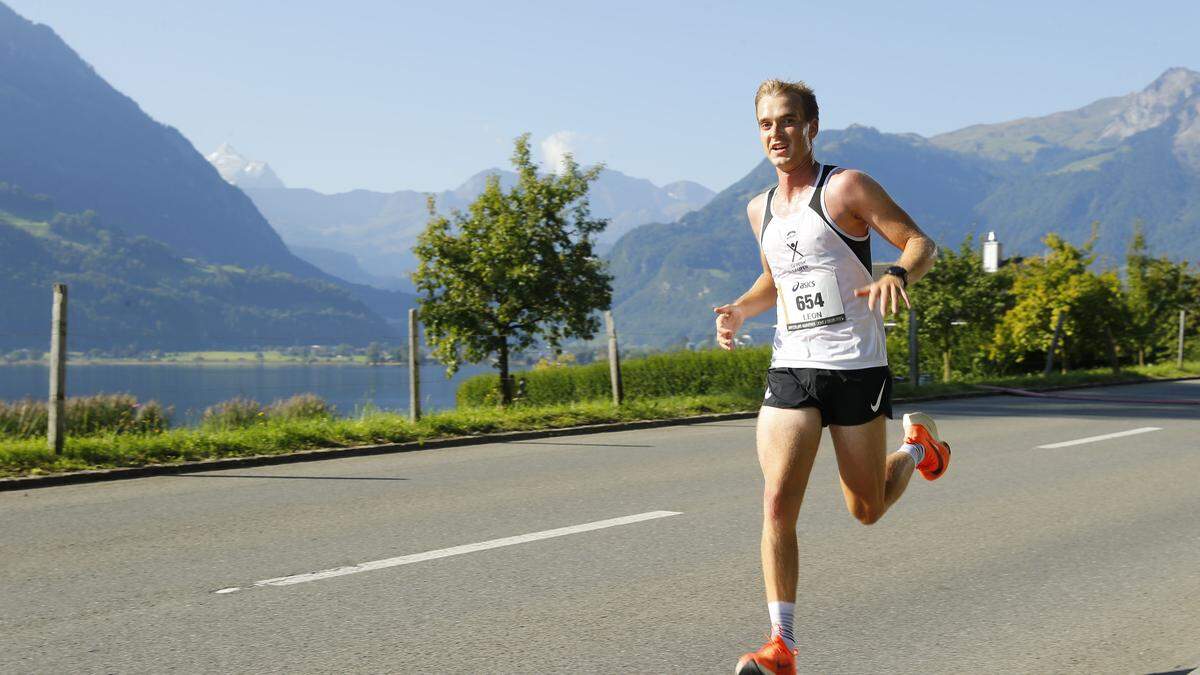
(861, 455)
(787, 444)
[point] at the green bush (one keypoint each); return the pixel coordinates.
(236, 413)
(300, 406)
(685, 373)
(85, 416)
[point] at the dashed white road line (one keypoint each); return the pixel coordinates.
(1103, 437)
(455, 550)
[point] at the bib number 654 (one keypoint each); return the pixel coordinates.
(809, 301)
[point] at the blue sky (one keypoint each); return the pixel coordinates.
(386, 95)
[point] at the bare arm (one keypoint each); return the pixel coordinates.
(865, 204)
(761, 295)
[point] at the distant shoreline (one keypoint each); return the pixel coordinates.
(205, 362)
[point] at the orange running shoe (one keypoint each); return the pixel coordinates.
(773, 659)
(919, 428)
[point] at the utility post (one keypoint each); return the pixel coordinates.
(1179, 355)
(414, 368)
(56, 419)
(914, 364)
(614, 359)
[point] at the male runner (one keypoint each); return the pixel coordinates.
(829, 362)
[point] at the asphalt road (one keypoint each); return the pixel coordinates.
(1081, 558)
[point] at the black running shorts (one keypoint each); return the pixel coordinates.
(844, 397)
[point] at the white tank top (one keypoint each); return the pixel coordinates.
(820, 322)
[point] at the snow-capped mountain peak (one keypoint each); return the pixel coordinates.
(242, 172)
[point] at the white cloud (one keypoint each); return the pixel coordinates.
(557, 145)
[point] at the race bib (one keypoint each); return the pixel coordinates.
(812, 300)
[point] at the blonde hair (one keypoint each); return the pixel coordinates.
(798, 90)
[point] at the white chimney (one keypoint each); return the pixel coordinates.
(991, 253)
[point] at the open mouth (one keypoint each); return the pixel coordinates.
(779, 147)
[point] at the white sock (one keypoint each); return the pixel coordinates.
(914, 450)
(782, 614)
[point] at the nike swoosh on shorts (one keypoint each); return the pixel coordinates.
(879, 399)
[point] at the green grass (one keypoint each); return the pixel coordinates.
(20, 457)
(30, 457)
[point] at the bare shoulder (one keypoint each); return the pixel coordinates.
(851, 186)
(754, 211)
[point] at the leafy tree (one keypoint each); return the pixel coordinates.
(1156, 289)
(958, 306)
(516, 268)
(1060, 283)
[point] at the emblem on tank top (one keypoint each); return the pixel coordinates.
(793, 243)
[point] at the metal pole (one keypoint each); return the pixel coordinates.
(56, 419)
(1179, 357)
(414, 369)
(614, 359)
(914, 367)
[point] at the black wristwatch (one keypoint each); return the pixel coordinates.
(898, 271)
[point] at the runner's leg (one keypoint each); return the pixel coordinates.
(871, 480)
(787, 445)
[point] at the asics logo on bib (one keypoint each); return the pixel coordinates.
(879, 398)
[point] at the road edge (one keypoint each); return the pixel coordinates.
(319, 454)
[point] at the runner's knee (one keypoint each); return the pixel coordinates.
(866, 512)
(780, 503)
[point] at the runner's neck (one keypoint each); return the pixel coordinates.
(791, 183)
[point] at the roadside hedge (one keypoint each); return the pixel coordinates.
(685, 373)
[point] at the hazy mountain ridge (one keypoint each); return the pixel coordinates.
(379, 229)
(1173, 97)
(69, 134)
(132, 290)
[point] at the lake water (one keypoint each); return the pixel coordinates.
(191, 389)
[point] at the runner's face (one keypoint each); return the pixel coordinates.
(786, 136)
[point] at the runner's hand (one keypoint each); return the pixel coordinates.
(729, 320)
(887, 289)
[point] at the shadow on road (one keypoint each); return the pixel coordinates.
(241, 475)
(591, 445)
(1013, 406)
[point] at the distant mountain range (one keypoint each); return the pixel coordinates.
(68, 134)
(130, 290)
(367, 236)
(1118, 161)
(161, 248)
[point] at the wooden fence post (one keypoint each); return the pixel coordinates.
(57, 418)
(614, 360)
(414, 368)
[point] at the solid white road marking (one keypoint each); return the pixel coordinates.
(456, 550)
(1104, 437)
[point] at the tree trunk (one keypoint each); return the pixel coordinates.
(946, 365)
(1113, 358)
(1141, 356)
(505, 383)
